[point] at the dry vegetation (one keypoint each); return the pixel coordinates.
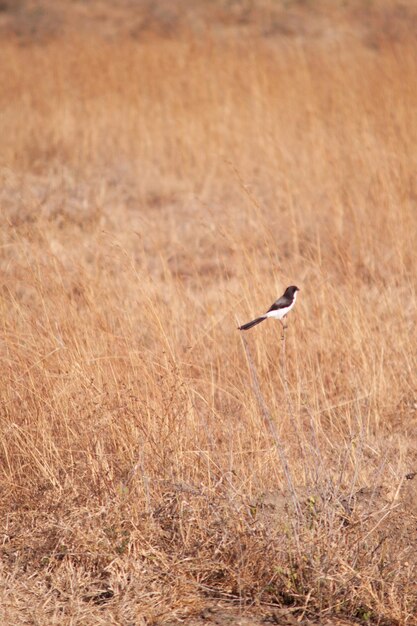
(153, 196)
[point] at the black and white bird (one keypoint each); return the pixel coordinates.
(278, 310)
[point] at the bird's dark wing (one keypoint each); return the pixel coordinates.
(282, 303)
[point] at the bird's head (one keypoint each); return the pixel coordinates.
(290, 291)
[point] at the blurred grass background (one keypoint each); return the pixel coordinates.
(166, 171)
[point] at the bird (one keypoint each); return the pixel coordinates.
(278, 310)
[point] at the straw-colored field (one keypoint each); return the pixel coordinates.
(154, 460)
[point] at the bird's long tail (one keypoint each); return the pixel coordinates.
(252, 323)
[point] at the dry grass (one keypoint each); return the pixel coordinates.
(152, 197)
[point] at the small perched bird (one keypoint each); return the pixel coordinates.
(278, 310)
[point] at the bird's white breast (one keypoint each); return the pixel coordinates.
(280, 313)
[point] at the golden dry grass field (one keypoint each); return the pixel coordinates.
(155, 462)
